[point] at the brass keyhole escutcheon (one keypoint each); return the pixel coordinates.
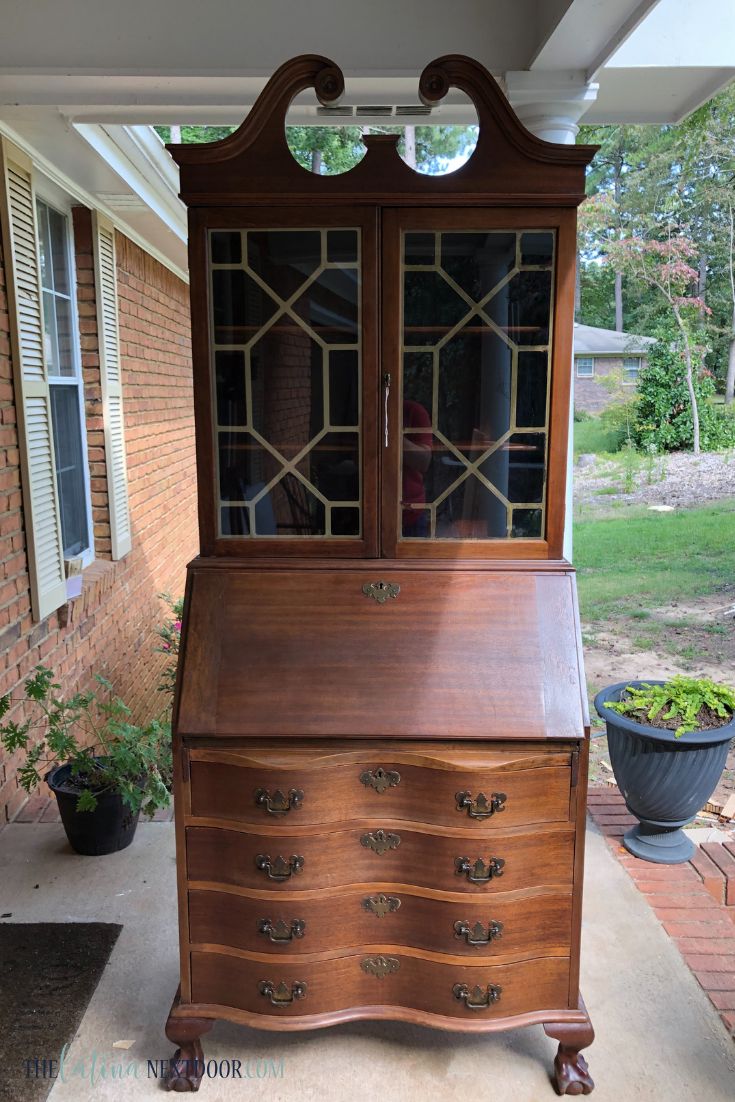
(381, 591)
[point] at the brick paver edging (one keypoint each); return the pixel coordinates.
(688, 899)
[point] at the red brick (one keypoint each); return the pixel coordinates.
(728, 1019)
(701, 962)
(723, 1000)
(716, 981)
(725, 862)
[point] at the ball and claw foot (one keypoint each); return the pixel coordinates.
(186, 1068)
(571, 1074)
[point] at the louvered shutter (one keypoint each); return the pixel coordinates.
(38, 468)
(112, 394)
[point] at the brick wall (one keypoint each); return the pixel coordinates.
(593, 395)
(111, 627)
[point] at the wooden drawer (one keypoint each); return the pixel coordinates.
(527, 788)
(404, 979)
(352, 919)
(379, 855)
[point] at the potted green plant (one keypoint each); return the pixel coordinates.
(668, 743)
(105, 769)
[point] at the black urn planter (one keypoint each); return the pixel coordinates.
(664, 780)
(107, 829)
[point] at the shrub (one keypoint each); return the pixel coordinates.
(681, 704)
(663, 414)
(581, 415)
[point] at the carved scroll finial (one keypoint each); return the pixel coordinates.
(329, 85)
(433, 85)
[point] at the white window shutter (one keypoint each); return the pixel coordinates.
(38, 467)
(112, 394)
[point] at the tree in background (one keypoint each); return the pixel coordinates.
(656, 181)
(666, 267)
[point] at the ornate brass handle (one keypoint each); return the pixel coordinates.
(279, 868)
(280, 930)
(381, 591)
(477, 999)
(380, 779)
(279, 803)
(281, 994)
(380, 966)
(478, 872)
(477, 934)
(381, 905)
(380, 841)
(480, 807)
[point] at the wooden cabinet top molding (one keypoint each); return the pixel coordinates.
(510, 166)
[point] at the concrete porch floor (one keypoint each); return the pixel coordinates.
(658, 1037)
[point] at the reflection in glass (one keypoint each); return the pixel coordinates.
(69, 461)
(475, 370)
(285, 316)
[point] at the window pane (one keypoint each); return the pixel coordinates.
(292, 387)
(56, 282)
(477, 318)
(69, 456)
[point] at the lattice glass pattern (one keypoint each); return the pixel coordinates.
(477, 319)
(285, 324)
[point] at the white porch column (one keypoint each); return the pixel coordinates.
(550, 105)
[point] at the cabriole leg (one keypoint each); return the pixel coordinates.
(187, 1064)
(571, 1074)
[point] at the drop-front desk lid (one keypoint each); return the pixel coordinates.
(462, 653)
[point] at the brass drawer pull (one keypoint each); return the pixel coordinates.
(478, 872)
(281, 994)
(477, 999)
(381, 905)
(480, 807)
(380, 841)
(380, 966)
(280, 930)
(279, 868)
(381, 591)
(380, 779)
(477, 934)
(279, 803)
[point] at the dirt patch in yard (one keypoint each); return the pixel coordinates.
(680, 480)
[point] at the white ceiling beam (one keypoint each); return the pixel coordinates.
(589, 32)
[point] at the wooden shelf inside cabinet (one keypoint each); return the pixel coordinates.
(380, 724)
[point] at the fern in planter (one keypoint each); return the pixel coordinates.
(682, 704)
(92, 732)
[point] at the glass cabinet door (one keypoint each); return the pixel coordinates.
(471, 412)
(287, 370)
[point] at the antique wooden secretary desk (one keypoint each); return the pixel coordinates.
(380, 723)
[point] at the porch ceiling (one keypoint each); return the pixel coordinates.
(82, 91)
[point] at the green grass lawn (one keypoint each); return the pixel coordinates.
(644, 560)
(593, 436)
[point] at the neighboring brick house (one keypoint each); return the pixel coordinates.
(606, 364)
(97, 445)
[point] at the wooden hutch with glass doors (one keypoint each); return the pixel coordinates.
(380, 727)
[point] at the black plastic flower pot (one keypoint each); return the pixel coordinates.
(107, 829)
(664, 780)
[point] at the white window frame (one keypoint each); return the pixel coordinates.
(627, 362)
(57, 201)
(588, 361)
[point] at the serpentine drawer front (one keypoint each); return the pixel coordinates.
(500, 927)
(382, 852)
(512, 790)
(450, 987)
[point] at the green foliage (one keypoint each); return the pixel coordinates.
(581, 415)
(335, 149)
(592, 437)
(677, 704)
(663, 416)
(94, 734)
(170, 635)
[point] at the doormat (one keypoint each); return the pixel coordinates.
(48, 974)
